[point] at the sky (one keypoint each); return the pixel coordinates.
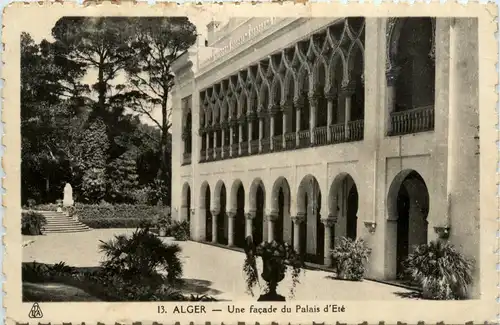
(43, 30)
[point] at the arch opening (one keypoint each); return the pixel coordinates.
(343, 203)
(408, 208)
(312, 234)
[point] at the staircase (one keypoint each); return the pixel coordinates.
(58, 222)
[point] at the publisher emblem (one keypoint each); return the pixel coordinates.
(36, 311)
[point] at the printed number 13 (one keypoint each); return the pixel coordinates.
(161, 310)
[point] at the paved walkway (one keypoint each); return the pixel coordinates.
(207, 269)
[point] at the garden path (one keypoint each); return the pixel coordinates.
(207, 269)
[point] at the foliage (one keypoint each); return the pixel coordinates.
(108, 223)
(32, 223)
(91, 133)
(138, 258)
(349, 257)
(103, 285)
(443, 272)
(277, 258)
(179, 230)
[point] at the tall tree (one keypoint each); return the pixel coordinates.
(157, 44)
(99, 43)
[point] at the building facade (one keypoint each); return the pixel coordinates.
(311, 129)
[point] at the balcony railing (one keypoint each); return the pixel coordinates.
(266, 145)
(356, 130)
(304, 139)
(337, 132)
(244, 148)
(320, 136)
(277, 143)
(254, 147)
(218, 153)
(290, 141)
(186, 158)
(412, 121)
(234, 150)
(341, 132)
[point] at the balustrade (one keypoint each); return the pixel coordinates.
(277, 143)
(412, 121)
(210, 153)
(254, 147)
(203, 155)
(266, 145)
(290, 141)
(218, 153)
(356, 129)
(225, 152)
(338, 133)
(186, 158)
(320, 135)
(234, 149)
(244, 148)
(304, 138)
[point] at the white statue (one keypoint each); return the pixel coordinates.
(68, 195)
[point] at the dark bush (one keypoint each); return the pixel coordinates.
(443, 272)
(349, 257)
(138, 258)
(32, 223)
(179, 230)
(117, 222)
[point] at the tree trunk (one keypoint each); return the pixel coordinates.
(101, 87)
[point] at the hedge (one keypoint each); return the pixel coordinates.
(116, 222)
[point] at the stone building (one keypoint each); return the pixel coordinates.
(310, 129)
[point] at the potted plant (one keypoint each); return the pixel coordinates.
(59, 204)
(442, 271)
(163, 222)
(349, 256)
(277, 258)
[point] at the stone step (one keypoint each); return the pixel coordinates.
(72, 225)
(58, 222)
(53, 231)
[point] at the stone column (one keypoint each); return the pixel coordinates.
(207, 139)
(250, 134)
(240, 136)
(215, 143)
(249, 223)
(215, 214)
(298, 107)
(231, 134)
(329, 117)
(297, 220)
(271, 218)
(391, 78)
(222, 140)
(329, 223)
(313, 104)
(261, 129)
(348, 91)
(284, 117)
(230, 228)
(271, 134)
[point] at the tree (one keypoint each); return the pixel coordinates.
(100, 43)
(93, 153)
(157, 44)
(123, 178)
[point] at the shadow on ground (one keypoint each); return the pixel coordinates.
(198, 286)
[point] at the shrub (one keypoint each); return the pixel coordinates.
(32, 223)
(31, 203)
(46, 207)
(179, 230)
(349, 257)
(442, 271)
(139, 257)
(117, 223)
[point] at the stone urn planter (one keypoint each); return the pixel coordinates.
(277, 259)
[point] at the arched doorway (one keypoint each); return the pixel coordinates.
(312, 234)
(280, 204)
(408, 207)
(258, 221)
(186, 203)
(343, 203)
(239, 219)
(222, 218)
(208, 215)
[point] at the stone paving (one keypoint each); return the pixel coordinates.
(207, 269)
